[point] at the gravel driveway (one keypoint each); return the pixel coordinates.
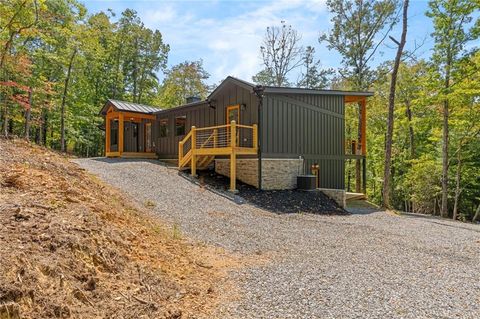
(368, 265)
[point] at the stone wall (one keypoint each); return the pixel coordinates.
(247, 169)
(276, 173)
(338, 195)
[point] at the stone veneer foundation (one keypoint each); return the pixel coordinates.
(338, 195)
(277, 173)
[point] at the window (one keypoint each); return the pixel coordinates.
(114, 132)
(148, 137)
(180, 124)
(163, 127)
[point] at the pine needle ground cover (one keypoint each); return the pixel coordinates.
(71, 246)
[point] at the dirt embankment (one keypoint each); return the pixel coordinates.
(71, 246)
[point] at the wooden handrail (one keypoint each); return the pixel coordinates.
(255, 136)
(208, 139)
(180, 147)
(185, 139)
(212, 127)
(229, 147)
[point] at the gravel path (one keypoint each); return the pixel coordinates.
(367, 265)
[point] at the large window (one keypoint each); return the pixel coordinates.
(114, 132)
(180, 124)
(163, 127)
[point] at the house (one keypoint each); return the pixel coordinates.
(270, 134)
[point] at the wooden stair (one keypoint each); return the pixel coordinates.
(203, 161)
(200, 146)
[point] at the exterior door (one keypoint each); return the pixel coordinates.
(148, 137)
(131, 137)
(233, 114)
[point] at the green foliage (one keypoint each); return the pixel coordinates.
(112, 60)
(184, 80)
(264, 77)
(313, 76)
(422, 183)
(356, 24)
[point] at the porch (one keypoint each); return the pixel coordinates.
(128, 134)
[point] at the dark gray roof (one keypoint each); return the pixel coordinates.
(140, 108)
(129, 107)
(285, 90)
(293, 90)
(196, 103)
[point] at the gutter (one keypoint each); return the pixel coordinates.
(258, 90)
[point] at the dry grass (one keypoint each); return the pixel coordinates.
(71, 246)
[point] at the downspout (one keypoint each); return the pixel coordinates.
(258, 90)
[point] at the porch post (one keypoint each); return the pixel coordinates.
(361, 147)
(364, 127)
(364, 175)
(107, 135)
(364, 145)
(193, 149)
(233, 157)
(120, 134)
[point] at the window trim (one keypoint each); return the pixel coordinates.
(229, 109)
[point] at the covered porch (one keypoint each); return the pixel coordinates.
(129, 130)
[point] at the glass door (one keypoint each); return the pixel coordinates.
(233, 114)
(148, 137)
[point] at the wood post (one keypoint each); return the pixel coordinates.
(193, 165)
(255, 136)
(107, 135)
(360, 165)
(215, 138)
(364, 175)
(363, 127)
(180, 153)
(120, 133)
(233, 157)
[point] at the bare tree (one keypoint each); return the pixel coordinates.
(281, 52)
(391, 107)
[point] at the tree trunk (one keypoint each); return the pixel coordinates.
(64, 99)
(458, 190)
(410, 130)
(444, 210)
(28, 113)
(391, 109)
(135, 72)
(5, 116)
(477, 214)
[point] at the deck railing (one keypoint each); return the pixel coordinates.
(230, 139)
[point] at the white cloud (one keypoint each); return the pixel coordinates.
(229, 43)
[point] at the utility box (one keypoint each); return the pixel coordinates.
(306, 182)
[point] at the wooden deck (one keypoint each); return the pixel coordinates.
(355, 196)
(132, 155)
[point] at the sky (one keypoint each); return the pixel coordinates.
(227, 35)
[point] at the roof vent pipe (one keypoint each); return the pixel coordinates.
(193, 99)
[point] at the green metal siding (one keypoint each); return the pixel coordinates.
(199, 115)
(232, 95)
(311, 126)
